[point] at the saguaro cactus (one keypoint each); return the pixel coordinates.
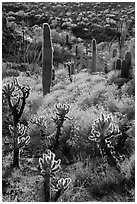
(94, 56)
(118, 64)
(124, 69)
(47, 59)
(128, 58)
(114, 53)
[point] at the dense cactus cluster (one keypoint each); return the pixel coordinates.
(103, 130)
(49, 167)
(16, 96)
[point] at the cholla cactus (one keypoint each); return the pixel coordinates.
(21, 140)
(59, 119)
(103, 129)
(70, 71)
(49, 167)
(61, 187)
(61, 114)
(16, 96)
(41, 121)
(48, 164)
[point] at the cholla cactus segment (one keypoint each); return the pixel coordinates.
(48, 164)
(63, 184)
(41, 121)
(101, 125)
(23, 141)
(22, 129)
(8, 89)
(103, 129)
(62, 109)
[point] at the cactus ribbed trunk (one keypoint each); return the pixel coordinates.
(47, 183)
(16, 157)
(94, 56)
(47, 59)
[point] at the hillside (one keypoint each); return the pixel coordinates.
(76, 143)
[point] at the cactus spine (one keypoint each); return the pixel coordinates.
(94, 56)
(47, 59)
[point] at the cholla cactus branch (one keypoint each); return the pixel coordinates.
(61, 187)
(103, 129)
(49, 167)
(16, 96)
(41, 121)
(59, 119)
(48, 164)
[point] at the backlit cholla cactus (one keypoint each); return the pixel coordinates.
(16, 96)
(103, 130)
(61, 187)
(62, 111)
(45, 140)
(21, 140)
(49, 167)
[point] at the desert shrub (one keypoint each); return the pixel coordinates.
(126, 105)
(10, 73)
(113, 75)
(128, 88)
(33, 103)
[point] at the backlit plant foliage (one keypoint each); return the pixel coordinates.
(49, 167)
(103, 130)
(59, 119)
(16, 96)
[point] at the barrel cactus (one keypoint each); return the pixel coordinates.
(47, 59)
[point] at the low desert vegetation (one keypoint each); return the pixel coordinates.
(68, 123)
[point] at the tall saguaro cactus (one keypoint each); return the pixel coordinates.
(47, 59)
(94, 56)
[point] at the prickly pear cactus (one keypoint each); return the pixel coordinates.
(118, 64)
(47, 59)
(94, 56)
